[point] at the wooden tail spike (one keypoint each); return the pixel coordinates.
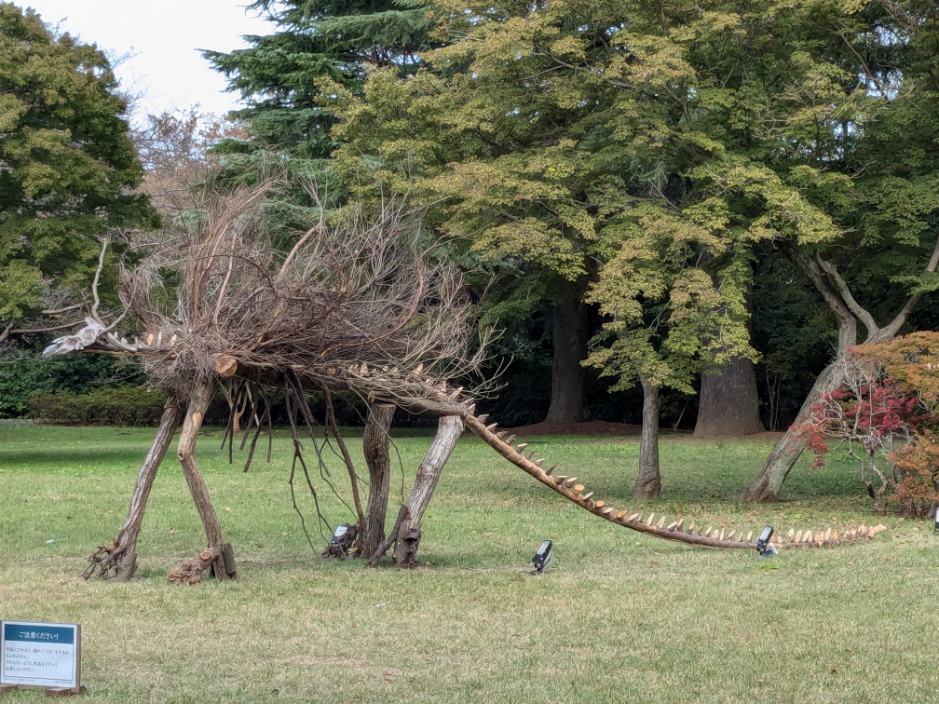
(672, 525)
(835, 537)
(721, 534)
(550, 469)
(791, 535)
(862, 531)
(540, 462)
(509, 440)
(570, 481)
(731, 534)
(586, 496)
(521, 446)
(562, 477)
(661, 524)
(501, 434)
(492, 427)
(827, 535)
(635, 517)
(483, 418)
(649, 519)
(418, 369)
(749, 536)
(607, 511)
(798, 537)
(691, 527)
(679, 524)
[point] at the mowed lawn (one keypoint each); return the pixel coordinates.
(620, 618)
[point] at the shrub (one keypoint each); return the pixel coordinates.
(888, 408)
(120, 405)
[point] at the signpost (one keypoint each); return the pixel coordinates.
(46, 655)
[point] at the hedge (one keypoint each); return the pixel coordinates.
(116, 405)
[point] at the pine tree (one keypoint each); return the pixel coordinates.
(280, 75)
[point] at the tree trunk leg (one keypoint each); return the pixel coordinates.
(121, 555)
(408, 535)
(569, 336)
(768, 483)
(649, 481)
(213, 557)
(375, 442)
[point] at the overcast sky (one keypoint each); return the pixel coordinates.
(161, 39)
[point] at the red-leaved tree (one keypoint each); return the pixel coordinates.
(886, 415)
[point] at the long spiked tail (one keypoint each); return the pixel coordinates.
(678, 529)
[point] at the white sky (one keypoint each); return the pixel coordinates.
(162, 38)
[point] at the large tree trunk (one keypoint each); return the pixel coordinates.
(790, 447)
(408, 534)
(375, 442)
(217, 556)
(569, 344)
(730, 403)
(121, 556)
(649, 482)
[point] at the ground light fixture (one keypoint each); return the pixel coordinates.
(763, 545)
(542, 557)
(342, 538)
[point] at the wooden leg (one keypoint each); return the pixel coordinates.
(375, 442)
(121, 555)
(408, 536)
(213, 557)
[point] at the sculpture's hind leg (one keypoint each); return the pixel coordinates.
(375, 442)
(217, 557)
(408, 535)
(121, 555)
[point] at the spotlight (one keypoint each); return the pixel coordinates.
(341, 540)
(763, 546)
(542, 557)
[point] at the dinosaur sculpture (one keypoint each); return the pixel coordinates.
(354, 307)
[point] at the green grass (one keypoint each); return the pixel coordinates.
(621, 618)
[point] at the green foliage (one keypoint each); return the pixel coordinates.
(23, 374)
(117, 405)
(67, 166)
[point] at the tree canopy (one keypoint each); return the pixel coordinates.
(67, 166)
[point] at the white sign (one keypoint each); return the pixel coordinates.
(40, 654)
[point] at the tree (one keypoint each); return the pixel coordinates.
(667, 317)
(67, 166)
(870, 160)
(280, 74)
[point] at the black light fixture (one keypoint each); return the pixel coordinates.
(542, 557)
(763, 545)
(342, 539)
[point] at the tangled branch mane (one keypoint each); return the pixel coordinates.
(349, 291)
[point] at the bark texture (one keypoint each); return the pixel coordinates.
(781, 460)
(730, 402)
(569, 347)
(213, 554)
(375, 444)
(408, 535)
(121, 557)
(649, 481)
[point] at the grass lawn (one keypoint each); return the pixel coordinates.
(621, 617)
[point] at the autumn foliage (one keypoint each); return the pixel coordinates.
(886, 414)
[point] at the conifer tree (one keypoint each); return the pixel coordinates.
(280, 75)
